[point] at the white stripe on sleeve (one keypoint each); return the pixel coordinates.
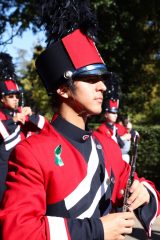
(12, 144)
(16, 132)
(57, 228)
(3, 131)
(41, 122)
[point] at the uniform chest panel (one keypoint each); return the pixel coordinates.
(68, 170)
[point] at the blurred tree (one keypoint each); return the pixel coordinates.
(130, 45)
(34, 92)
(15, 17)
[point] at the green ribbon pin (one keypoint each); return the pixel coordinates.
(58, 159)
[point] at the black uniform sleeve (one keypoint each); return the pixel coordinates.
(146, 213)
(37, 120)
(86, 229)
(33, 123)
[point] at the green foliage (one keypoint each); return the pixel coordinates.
(129, 42)
(35, 93)
(148, 162)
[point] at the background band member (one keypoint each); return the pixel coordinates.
(16, 122)
(111, 128)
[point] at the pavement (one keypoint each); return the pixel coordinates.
(139, 233)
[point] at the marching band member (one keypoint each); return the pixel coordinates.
(16, 122)
(110, 127)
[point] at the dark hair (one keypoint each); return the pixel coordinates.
(56, 99)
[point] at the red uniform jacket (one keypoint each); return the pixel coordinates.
(121, 130)
(57, 189)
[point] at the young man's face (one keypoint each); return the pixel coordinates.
(10, 101)
(111, 117)
(88, 96)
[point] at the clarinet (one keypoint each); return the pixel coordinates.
(22, 99)
(131, 175)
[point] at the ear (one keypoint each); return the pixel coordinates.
(63, 91)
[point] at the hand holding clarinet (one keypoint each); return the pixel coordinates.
(24, 111)
(135, 193)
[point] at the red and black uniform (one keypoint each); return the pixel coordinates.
(115, 131)
(61, 181)
(12, 133)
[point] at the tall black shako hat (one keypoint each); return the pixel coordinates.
(71, 51)
(7, 75)
(111, 98)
